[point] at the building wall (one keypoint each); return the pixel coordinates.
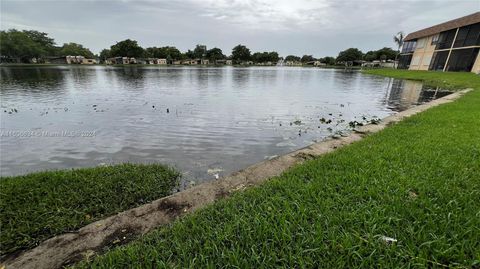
(422, 56)
(476, 66)
(456, 50)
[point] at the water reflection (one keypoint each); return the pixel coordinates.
(403, 94)
(222, 119)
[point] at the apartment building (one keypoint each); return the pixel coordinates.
(450, 46)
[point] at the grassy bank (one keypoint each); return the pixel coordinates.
(37, 206)
(450, 80)
(417, 182)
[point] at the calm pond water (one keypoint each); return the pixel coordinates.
(204, 121)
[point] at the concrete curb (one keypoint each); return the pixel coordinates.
(123, 227)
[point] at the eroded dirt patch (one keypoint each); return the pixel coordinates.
(120, 236)
(172, 208)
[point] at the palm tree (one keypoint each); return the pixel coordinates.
(398, 39)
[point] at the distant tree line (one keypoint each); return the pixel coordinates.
(23, 46)
(354, 54)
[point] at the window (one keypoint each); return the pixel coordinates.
(462, 60)
(409, 46)
(435, 39)
(468, 36)
(439, 60)
(404, 61)
(445, 39)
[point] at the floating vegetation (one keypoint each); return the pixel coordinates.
(355, 123)
(11, 111)
(375, 120)
(297, 122)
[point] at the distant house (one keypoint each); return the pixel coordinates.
(161, 61)
(204, 61)
(74, 59)
(150, 61)
(450, 46)
(177, 62)
(56, 60)
(70, 60)
(116, 60)
(89, 61)
(228, 62)
(121, 60)
(265, 63)
(315, 63)
(378, 63)
(292, 63)
(193, 62)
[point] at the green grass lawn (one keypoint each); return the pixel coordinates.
(37, 206)
(451, 80)
(417, 182)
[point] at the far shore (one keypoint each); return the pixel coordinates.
(174, 65)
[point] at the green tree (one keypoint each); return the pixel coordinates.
(105, 54)
(328, 60)
(169, 53)
(215, 54)
(292, 58)
(381, 54)
(240, 53)
(307, 58)
(350, 55)
(173, 53)
(258, 57)
(75, 49)
(273, 56)
(22, 46)
(200, 51)
(126, 48)
(263, 57)
(189, 54)
(370, 56)
(45, 43)
(386, 54)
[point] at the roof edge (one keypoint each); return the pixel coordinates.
(445, 26)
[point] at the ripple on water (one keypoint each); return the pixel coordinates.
(218, 118)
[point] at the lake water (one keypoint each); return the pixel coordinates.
(204, 121)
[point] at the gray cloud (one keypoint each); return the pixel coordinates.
(318, 27)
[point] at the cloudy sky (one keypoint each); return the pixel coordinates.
(318, 27)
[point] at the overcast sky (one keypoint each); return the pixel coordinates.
(318, 27)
